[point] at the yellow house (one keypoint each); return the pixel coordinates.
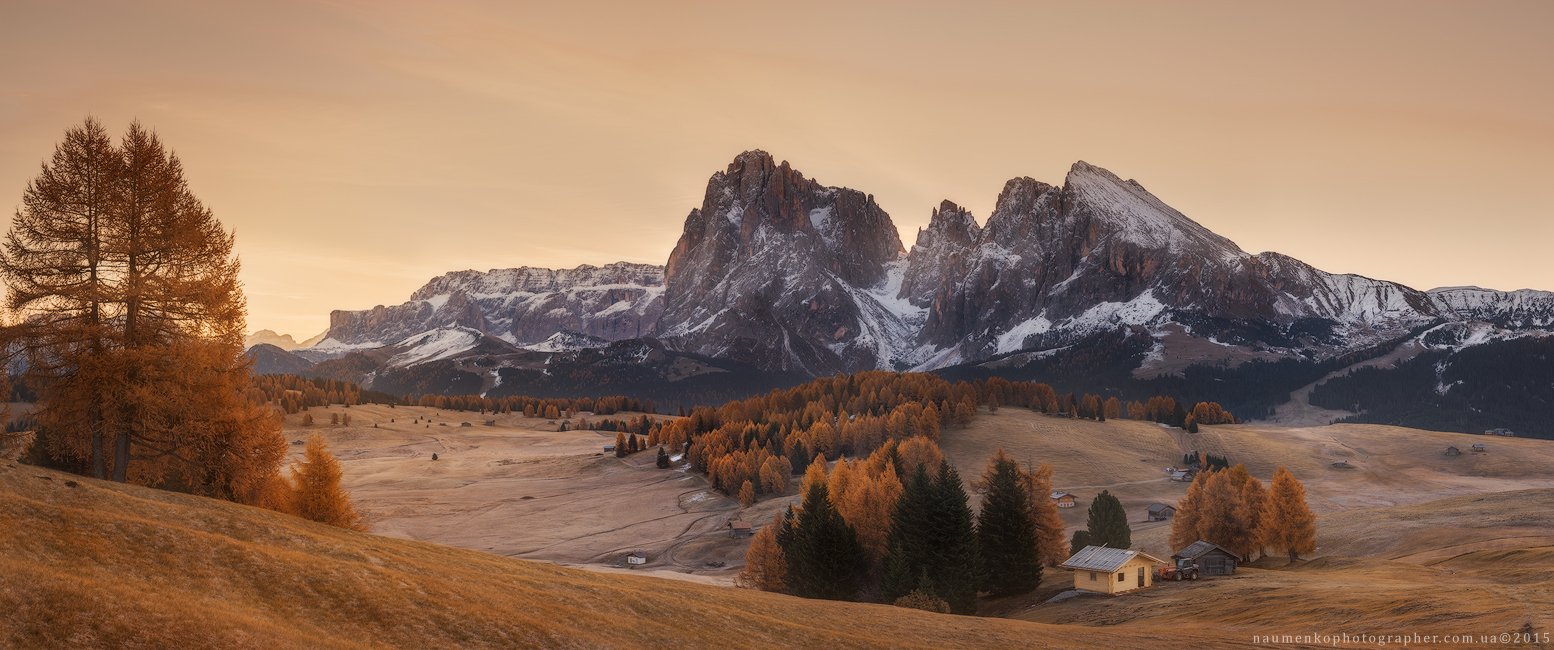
(1112, 570)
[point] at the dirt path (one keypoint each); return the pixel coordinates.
(1109, 486)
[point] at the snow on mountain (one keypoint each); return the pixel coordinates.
(776, 270)
(783, 274)
(565, 341)
(440, 343)
(1523, 308)
(522, 306)
(1132, 214)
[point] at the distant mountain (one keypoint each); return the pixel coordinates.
(522, 306)
(1095, 284)
(272, 360)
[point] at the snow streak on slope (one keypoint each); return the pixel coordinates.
(434, 345)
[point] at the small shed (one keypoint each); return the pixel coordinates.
(1161, 511)
(739, 528)
(636, 558)
(609, 448)
(1210, 558)
(1184, 475)
(1452, 451)
(1064, 499)
(1478, 448)
(1111, 570)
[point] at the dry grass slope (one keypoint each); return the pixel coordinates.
(92, 564)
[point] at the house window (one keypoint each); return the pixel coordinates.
(1122, 576)
(1092, 576)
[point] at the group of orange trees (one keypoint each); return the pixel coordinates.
(1233, 509)
(898, 528)
(123, 296)
(760, 441)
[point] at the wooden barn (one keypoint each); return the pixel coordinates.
(1210, 558)
(1064, 499)
(1452, 451)
(1111, 570)
(1161, 511)
(739, 528)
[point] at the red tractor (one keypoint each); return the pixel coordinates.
(1184, 570)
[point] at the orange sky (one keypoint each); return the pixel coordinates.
(360, 148)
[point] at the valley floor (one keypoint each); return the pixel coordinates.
(1410, 539)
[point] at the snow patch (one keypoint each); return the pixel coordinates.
(1014, 339)
(434, 345)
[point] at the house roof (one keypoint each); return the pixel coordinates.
(1101, 558)
(1161, 507)
(739, 524)
(1199, 548)
(1059, 495)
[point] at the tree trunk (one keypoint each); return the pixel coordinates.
(99, 453)
(121, 456)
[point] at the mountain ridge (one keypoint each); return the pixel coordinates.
(778, 272)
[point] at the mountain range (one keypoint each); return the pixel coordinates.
(1093, 284)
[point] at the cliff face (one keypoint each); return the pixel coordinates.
(776, 270)
(524, 306)
(1054, 264)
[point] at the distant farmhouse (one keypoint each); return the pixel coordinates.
(1161, 511)
(1183, 475)
(1210, 558)
(1064, 499)
(1111, 570)
(739, 528)
(1500, 432)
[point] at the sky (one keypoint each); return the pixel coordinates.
(360, 148)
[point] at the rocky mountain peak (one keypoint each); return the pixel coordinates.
(1123, 209)
(951, 222)
(770, 249)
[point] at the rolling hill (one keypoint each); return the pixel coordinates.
(94, 564)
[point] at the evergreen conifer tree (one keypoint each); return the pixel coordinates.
(1006, 533)
(1108, 522)
(1080, 540)
(822, 551)
(933, 536)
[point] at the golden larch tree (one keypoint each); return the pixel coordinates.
(746, 494)
(866, 502)
(59, 281)
(1184, 526)
(134, 315)
(1051, 539)
(1288, 526)
(319, 495)
(919, 451)
(765, 567)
